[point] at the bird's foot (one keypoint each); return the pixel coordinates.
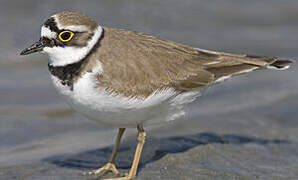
(106, 168)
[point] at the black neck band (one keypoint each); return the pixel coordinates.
(68, 72)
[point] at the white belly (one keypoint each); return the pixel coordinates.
(119, 111)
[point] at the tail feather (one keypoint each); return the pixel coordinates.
(280, 64)
(225, 65)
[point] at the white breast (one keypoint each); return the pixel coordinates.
(99, 105)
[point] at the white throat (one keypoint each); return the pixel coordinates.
(61, 56)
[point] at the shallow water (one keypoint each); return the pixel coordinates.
(35, 123)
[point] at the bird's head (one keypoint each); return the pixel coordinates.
(67, 38)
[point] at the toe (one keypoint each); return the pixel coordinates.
(106, 168)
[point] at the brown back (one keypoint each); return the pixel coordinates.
(136, 65)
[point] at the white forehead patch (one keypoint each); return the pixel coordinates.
(46, 32)
(77, 28)
(61, 56)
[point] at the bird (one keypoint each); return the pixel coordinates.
(129, 79)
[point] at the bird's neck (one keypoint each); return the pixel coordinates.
(67, 73)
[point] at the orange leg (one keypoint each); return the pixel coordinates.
(133, 170)
(110, 166)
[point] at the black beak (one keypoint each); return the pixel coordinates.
(36, 47)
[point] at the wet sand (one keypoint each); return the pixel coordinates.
(244, 128)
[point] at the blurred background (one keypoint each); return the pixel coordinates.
(39, 129)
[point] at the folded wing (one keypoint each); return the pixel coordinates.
(136, 65)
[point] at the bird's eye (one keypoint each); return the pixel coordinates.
(65, 36)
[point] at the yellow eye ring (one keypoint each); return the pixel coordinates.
(65, 36)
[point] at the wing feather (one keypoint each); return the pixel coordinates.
(136, 64)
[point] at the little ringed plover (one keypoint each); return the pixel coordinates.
(129, 79)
